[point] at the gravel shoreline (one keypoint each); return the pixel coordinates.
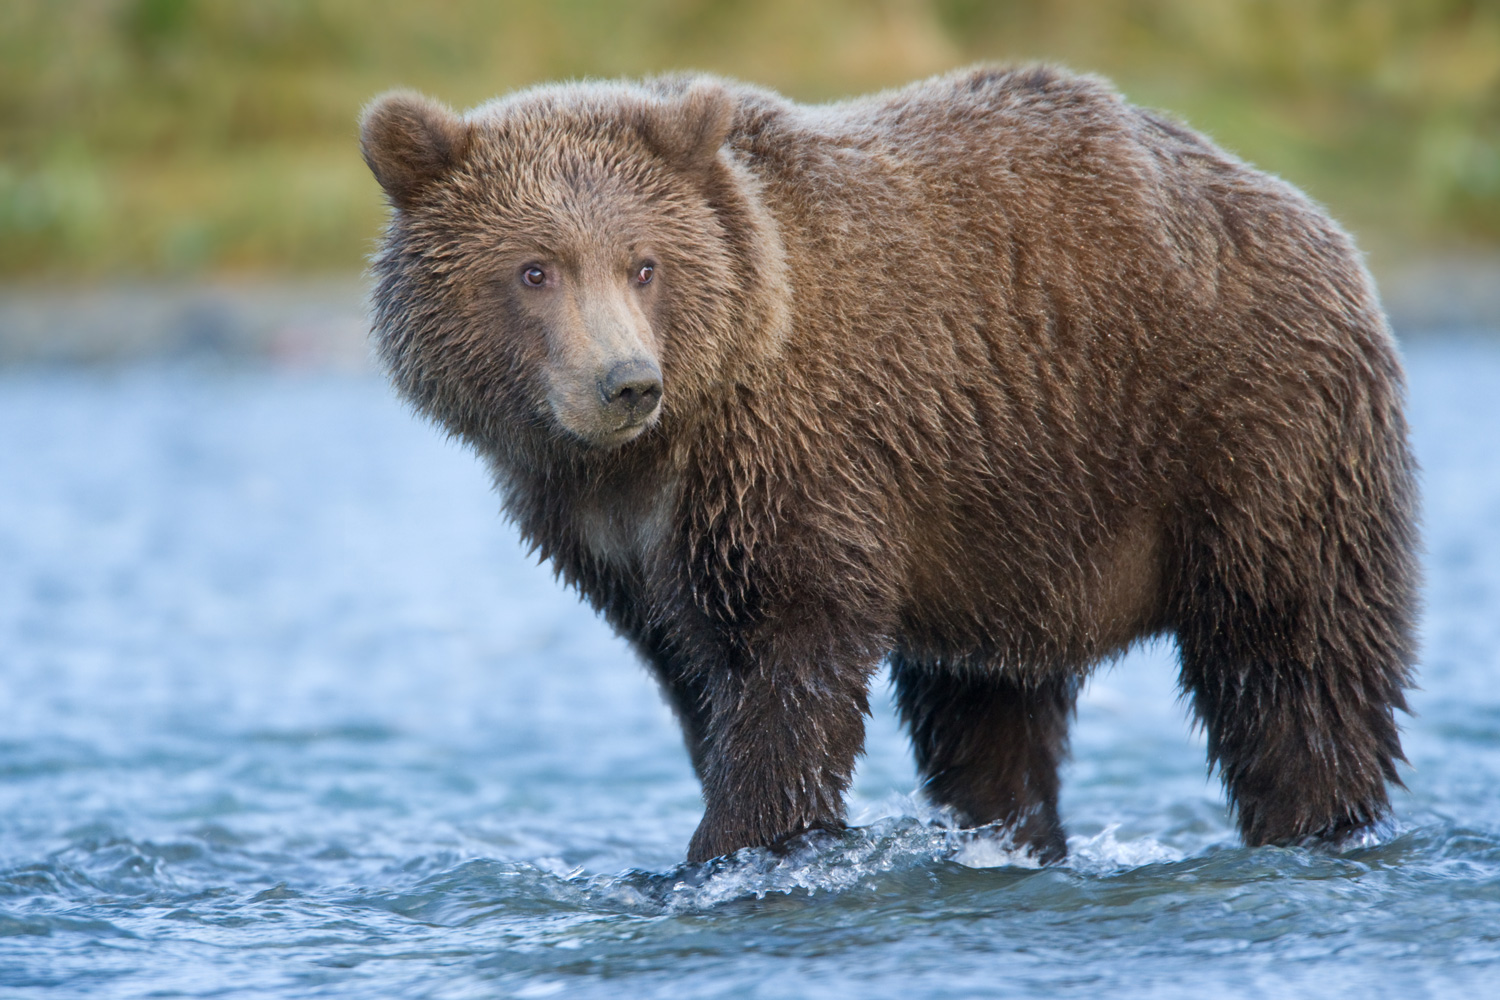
(323, 323)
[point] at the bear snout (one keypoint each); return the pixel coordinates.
(609, 403)
(631, 391)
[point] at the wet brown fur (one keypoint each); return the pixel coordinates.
(991, 376)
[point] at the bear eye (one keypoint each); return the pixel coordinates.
(533, 276)
(644, 275)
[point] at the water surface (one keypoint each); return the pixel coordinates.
(287, 713)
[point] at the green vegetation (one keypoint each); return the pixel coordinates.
(144, 137)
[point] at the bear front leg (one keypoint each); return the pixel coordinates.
(783, 741)
(989, 748)
(685, 693)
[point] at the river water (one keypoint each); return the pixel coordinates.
(287, 713)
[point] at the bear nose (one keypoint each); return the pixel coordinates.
(633, 388)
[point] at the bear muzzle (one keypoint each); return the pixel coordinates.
(610, 405)
(631, 390)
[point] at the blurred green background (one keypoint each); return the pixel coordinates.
(161, 138)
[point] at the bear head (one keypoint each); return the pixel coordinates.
(573, 265)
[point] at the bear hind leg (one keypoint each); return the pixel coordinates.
(989, 747)
(1296, 673)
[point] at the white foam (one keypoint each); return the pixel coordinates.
(911, 835)
(993, 852)
(1103, 852)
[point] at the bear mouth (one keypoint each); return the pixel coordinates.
(619, 435)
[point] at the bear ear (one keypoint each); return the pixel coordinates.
(688, 128)
(410, 141)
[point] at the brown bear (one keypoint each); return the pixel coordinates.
(990, 377)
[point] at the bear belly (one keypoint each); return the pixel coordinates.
(993, 609)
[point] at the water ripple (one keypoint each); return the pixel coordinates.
(288, 715)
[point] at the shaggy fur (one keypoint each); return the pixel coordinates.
(991, 376)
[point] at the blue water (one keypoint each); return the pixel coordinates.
(286, 713)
